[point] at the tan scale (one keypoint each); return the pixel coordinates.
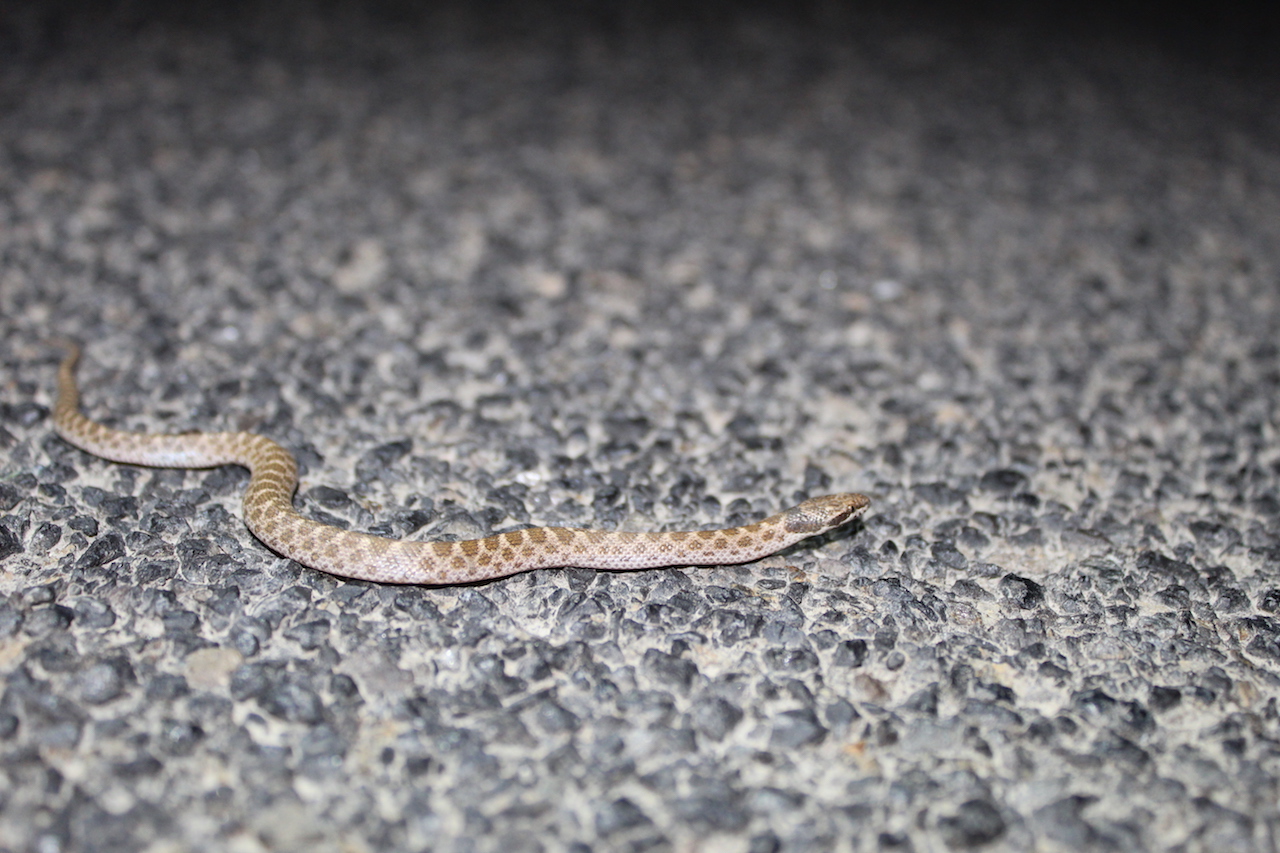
(269, 514)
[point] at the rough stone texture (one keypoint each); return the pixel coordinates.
(621, 267)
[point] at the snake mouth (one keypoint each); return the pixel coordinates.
(850, 513)
(845, 516)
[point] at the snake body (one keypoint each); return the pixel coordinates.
(269, 514)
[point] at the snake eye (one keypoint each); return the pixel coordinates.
(855, 505)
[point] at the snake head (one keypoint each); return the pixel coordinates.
(817, 515)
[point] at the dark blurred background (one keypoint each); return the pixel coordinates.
(1233, 36)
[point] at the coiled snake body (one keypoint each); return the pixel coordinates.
(269, 514)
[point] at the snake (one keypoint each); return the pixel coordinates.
(270, 515)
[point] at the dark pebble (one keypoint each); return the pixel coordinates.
(166, 688)
(292, 700)
(949, 556)
(975, 823)
(554, 718)
(1270, 601)
(10, 619)
(179, 737)
(310, 635)
(329, 497)
(938, 494)
(138, 768)
(376, 461)
(9, 543)
(105, 680)
(48, 620)
(840, 714)
(764, 843)
(923, 701)
(1004, 481)
(1216, 537)
(84, 524)
(92, 613)
(1164, 698)
(790, 660)
(46, 536)
(715, 717)
(717, 812)
(620, 815)
(101, 552)
(668, 669)
(180, 621)
(43, 594)
(799, 727)
(850, 653)
(1022, 592)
